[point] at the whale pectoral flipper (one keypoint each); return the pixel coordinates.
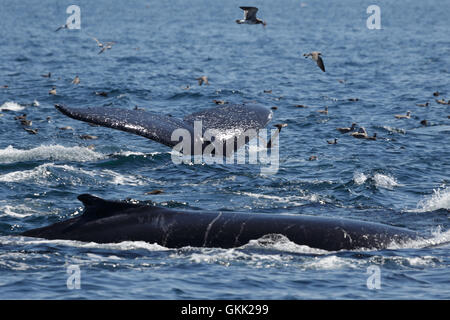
(150, 125)
(225, 122)
(227, 117)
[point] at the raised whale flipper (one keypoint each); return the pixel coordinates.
(232, 116)
(95, 207)
(225, 122)
(150, 125)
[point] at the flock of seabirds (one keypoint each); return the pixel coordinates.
(251, 19)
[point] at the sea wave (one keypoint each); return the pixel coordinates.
(49, 152)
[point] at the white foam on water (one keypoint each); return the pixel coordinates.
(11, 106)
(20, 211)
(331, 262)
(440, 199)
(122, 179)
(359, 178)
(121, 246)
(49, 152)
(380, 180)
(42, 173)
(438, 238)
(282, 243)
(37, 173)
(385, 181)
(293, 200)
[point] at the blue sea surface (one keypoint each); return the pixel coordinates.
(401, 179)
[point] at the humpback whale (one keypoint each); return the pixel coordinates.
(106, 221)
(230, 125)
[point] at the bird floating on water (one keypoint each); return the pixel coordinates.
(403, 116)
(442, 101)
(31, 131)
(361, 134)
(52, 91)
(220, 102)
(250, 16)
(347, 130)
(325, 111)
(47, 75)
(423, 104)
(332, 141)
(316, 56)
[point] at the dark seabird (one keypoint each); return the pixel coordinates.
(423, 104)
(424, 122)
(22, 117)
(220, 102)
(279, 126)
(403, 116)
(325, 111)
(316, 56)
(332, 141)
(361, 134)
(101, 93)
(157, 191)
(313, 158)
(26, 122)
(47, 75)
(301, 106)
(353, 99)
(442, 101)
(202, 80)
(374, 137)
(5, 86)
(267, 91)
(66, 128)
(347, 130)
(88, 137)
(31, 131)
(64, 26)
(274, 108)
(250, 16)
(436, 94)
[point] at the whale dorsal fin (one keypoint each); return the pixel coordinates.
(95, 207)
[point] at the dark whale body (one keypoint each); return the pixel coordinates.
(105, 221)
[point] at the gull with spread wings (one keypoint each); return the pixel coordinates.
(104, 46)
(250, 16)
(316, 56)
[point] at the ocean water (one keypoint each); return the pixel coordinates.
(402, 179)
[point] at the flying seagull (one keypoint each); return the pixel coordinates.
(64, 26)
(104, 46)
(316, 56)
(202, 79)
(250, 16)
(76, 80)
